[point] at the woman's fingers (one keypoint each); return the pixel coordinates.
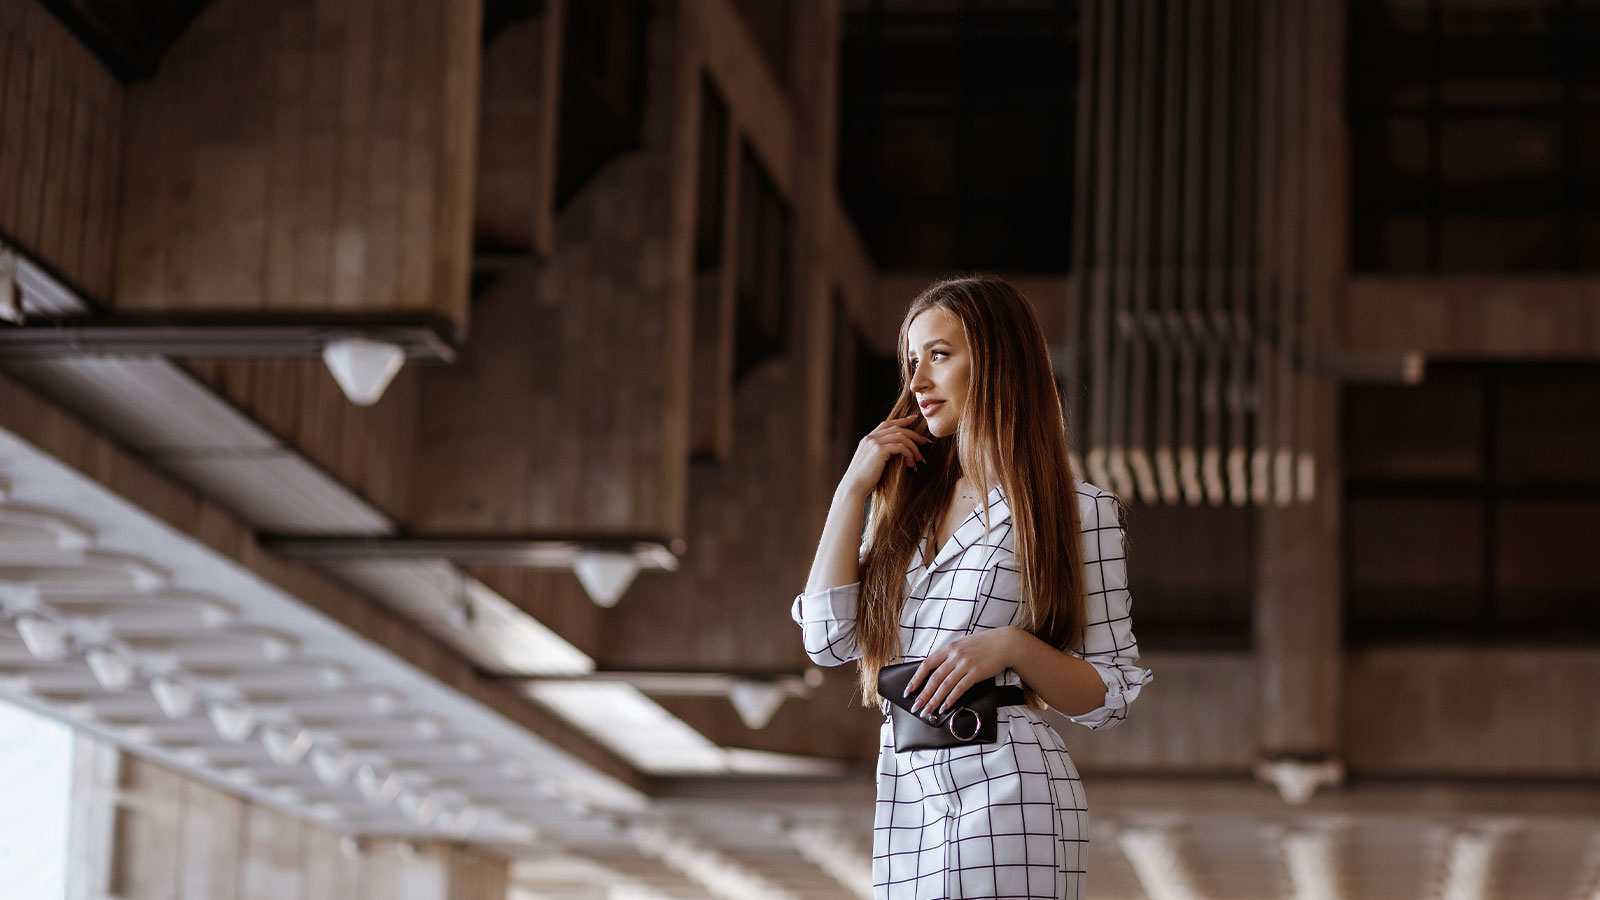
(911, 446)
(958, 687)
(895, 443)
(940, 681)
(907, 429)
(892, 424)
(953, 686)
(900, 425)
(927, 666)
(932, 693)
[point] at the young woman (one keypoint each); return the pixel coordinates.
(987, 561)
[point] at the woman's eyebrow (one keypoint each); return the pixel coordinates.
(927, 344)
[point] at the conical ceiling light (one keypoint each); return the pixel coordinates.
(756, 701)
(286, 744)
(378, 787)
(45, 638)
(363, 367)
(605, 574)
(113, 670)
(233, 720)
(332, 767)
(175, 696)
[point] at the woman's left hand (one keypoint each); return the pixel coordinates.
(960, 664)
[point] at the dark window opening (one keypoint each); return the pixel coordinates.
(1472, 505)
(771, 26)
(956, 133)
(602, 89)
(866, 384)
(1192, 574)
(764, 267)
(1475, 135)
(711, 180)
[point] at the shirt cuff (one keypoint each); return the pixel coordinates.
(1123, 683)
(835, 604)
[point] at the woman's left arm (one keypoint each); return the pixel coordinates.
(1091, 683)
(1108, 643)
(1067, 683)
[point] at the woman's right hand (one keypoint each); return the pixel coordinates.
(893, 438)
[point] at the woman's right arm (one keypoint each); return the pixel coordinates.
(826, 611)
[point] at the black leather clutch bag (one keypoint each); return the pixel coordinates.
(970, 719)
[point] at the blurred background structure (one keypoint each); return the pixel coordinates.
(417, 417)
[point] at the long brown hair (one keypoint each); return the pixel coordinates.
(1011, 434)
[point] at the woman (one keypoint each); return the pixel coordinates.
(984, 559)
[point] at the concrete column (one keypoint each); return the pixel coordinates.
(814, 75)
(1298, 608)
(1298, 611)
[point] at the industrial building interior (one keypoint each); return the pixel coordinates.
(417, 418)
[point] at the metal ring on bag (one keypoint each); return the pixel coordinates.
(977, 724)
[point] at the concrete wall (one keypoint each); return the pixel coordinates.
(174, 838)
(61, 131)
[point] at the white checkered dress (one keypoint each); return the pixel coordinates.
(1003, 820)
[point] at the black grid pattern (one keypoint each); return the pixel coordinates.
(1003, 820)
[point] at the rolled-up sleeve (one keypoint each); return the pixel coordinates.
(828, 624)
(1108, 643)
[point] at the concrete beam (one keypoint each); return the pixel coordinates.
(757, 103)
(62, 437)
(1508, 317)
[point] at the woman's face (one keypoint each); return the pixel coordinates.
(940, 365)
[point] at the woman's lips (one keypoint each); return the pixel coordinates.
(928, 408)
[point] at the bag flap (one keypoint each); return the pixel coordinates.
(892, 681)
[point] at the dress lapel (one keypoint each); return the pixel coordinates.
(970, 531)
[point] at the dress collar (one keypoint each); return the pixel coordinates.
(970, 531)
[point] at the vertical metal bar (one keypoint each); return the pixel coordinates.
(1266, 267)
(1246, 123)
(1292, 173)
(1169, 323)
(1099, 287)
(1121, 259)
(1193, 248)
(1144, 229)
(1324, 260)
(1082, 210)
(1217, 249)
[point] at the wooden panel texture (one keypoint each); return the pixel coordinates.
(310, 155)
(567, 412)
(60, 147)
(179, 839)
(370, 449)
(516, 173)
